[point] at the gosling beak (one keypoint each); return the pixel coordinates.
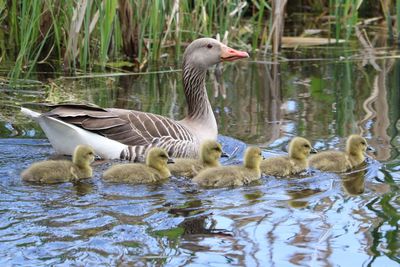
(224, 155)
(313, 151)
(230, 54)
(370, 149)
(170, 161)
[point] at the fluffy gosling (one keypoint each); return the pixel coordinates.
(338, 161)
(233, 175)
(59, 171)
(295, 162)
(210, 153)
(154, 170)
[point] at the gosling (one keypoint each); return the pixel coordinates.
(295, 162)
(225, 176)
(210, 153)
(59, 171)
(338, 161)
(154, 170)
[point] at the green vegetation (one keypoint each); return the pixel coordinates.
(80, 35)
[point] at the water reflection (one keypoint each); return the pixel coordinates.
(354, 183)
(317, 219)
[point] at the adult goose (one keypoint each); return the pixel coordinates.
(128, 134)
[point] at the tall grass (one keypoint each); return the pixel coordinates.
(82, 33)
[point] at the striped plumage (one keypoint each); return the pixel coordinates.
(127, 134)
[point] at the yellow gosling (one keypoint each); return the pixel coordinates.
(154, 170)
(295, 162)
(233, 175)
(338, 161)
(59, 171)
(210, 153)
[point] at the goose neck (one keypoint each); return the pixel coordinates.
(195, 92)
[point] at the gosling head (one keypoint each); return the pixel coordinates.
(83, 155)
(205, 52)
(300, 148)
(253, 158)
(158, 159)
(211, 152)
(356, 145)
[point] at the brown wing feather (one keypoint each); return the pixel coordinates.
(126, 126)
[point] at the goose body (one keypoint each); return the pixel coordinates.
(295, 162)
(339, 161)
(155, 169)
(58, 171)
(210, 153)
(128, 134)
(229, 176)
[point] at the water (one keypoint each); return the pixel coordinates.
(316, 219)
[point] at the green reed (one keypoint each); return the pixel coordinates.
(82, 33)
(398, 20)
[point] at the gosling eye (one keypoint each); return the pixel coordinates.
(163, 156)
(217, 149)
(363, 143)
(307, 145)
(209, 46)
(90, 153)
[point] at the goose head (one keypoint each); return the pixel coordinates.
(300, 148)
(253, 158)
(158, 159)
(211, 152)
(356, 145)
(83, 155)
(206, 52)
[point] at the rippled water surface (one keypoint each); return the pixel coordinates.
(315, 219)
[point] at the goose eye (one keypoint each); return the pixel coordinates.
(306, 145)
(363, 143)
(209, 46)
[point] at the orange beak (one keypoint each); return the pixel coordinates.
(230, 54)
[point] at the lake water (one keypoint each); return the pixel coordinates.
(316, 219)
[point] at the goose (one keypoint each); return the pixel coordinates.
(154, 170)
(210, 153)
(58, 171)
(225, 176)
(128, 134)
(295, 162)
(339, 161)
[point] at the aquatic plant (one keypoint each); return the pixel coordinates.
(84, 33)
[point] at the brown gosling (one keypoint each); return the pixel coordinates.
(154, 170)
(295, 162)
(225, 176)
(59, 171)
(210, 153)
(338, 161)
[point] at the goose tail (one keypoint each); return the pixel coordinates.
(30, 113)
(64, 137)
